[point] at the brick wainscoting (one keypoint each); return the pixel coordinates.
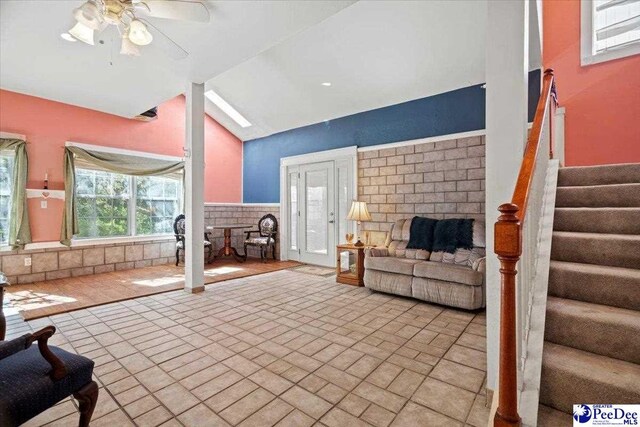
(59, 263)
(250, 214)
(443, 179)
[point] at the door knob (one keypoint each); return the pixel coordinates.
(331, 221)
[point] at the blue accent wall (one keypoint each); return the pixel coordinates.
(460, 110)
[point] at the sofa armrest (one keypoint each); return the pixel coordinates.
(376, 252)
(480, 264)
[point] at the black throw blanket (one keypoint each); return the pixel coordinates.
(421, 233)
(451, 234)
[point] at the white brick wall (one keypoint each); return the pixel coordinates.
(443, 179)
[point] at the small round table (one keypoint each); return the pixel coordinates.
(227, 249)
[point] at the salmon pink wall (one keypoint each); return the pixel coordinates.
(602, 101)
(48, 124)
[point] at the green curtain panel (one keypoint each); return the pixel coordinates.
(19, 230)
(126, 164)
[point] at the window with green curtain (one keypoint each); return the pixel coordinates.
(111, 204)
(111, 193)
(6, 173)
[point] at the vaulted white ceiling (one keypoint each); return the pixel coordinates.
(267, 59)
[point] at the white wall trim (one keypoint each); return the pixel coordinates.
(35, 193)
(10, 135)
(242, 204)
(558, 135)
(113, 150)
(79, 243)
(319, 156)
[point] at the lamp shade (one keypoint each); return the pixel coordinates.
(82, 33)
(359, 212)
(89, 15)
(139, 34)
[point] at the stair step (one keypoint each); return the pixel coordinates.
(574, 376)
(616, 250)
(599, 329)
(598, 220)
(599, 175)
(599, 196)
(549, 417)
(613, 286)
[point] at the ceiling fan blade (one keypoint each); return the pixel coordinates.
(181, 10)
(164, 42)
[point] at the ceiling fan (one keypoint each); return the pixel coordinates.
(96, 15)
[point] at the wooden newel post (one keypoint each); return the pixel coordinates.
(508, 247)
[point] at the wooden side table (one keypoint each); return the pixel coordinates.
(350, 264)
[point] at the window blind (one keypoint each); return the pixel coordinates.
(616, 23)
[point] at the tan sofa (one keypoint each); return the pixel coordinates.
(456, 280)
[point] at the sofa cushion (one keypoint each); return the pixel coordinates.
(391, 264)
(393, 283)
(448, 273)
(447, 293)
(398, 248)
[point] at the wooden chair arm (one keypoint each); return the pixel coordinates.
(248, 233)
(58, 370)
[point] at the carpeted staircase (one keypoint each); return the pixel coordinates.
(592, 333)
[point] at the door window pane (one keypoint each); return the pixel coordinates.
(293, 212)
(343, 203)
(317, 211)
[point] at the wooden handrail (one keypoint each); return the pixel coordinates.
(508, 247)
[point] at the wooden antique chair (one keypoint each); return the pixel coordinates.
(267, 230)
(33, 379)
(178, 229)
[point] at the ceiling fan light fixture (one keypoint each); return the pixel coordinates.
(90, 16)
(128, 48)
(83, 33)
(139, 34)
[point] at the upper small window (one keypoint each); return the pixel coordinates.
(610, 30)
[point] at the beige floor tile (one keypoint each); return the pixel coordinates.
(201, 415)
(312, 383)
(154, 417)
(384, 398)
(384, 374)
(154, 379)
(354, 404)
(406, 383)
(216, 385)
(337, 377)
(296, 418)
(364, 366)
(176, 398)
(444, 398)
(115, 418)
(339, 418)
(377, 416)
(269, 415)
(415, 415)
(231, 395)
(332, 393)
(270, 381)
(467, 356)
(307, 402)
(246, 406)
(459, 375)
(479, 413)
(141, 406)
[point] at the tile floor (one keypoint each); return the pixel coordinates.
(282, 348)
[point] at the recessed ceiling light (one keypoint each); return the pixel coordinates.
(68, 37)
(327, 84)
(228, 109)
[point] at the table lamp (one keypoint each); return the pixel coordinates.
(359, 213)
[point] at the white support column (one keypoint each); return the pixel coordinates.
(507, 66)
(194, 188)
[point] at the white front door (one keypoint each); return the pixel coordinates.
(316, 194)
(316, 228)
